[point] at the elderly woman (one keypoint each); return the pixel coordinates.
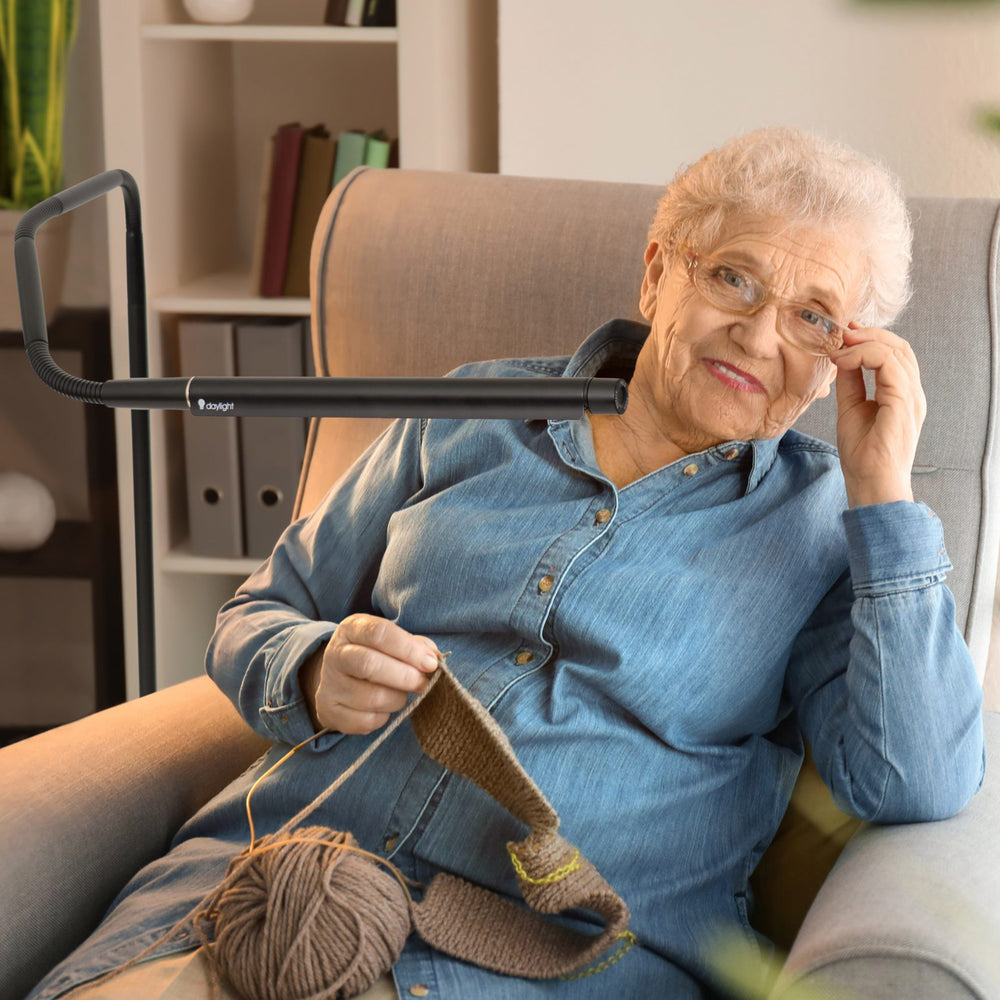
(657, 608)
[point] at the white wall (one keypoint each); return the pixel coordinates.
(630, 90)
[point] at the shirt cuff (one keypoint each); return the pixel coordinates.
(285, 714)
(894, 546)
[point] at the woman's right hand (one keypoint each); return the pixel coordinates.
(364, 673)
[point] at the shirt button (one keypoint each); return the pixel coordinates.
(523, 657)
(602, 516)
(284, 718)
(690, 470)
(545, 584)
(419, 990)
(731, 454)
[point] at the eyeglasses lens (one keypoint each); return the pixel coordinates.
(737, 291)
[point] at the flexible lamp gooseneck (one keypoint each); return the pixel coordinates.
(295, 396)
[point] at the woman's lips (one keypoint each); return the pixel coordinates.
(732, 376)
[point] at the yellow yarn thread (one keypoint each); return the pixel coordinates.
(560, 873)
(628, 937)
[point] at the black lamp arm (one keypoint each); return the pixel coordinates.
(505, 398)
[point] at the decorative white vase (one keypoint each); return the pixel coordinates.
(52, 248)
(27, 513)
(218, 11)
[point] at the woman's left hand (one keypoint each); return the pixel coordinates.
(877, 438)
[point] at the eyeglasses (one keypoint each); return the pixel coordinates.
(735, 290)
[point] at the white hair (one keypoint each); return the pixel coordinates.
(800, 180)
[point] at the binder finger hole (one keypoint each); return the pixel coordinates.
(211, 496)
(270, 496)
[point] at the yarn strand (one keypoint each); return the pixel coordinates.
(400, 718)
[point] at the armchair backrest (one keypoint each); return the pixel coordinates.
(416, 272)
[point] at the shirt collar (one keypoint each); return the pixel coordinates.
(615, 345)
(612, 350)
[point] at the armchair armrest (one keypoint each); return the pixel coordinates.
(911, 910)
(85, 806)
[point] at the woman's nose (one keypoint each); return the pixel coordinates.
(757, 334)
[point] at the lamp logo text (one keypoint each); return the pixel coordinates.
(216, 407)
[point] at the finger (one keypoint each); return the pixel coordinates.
(361, 696)
(886, 361)
(895, 386)
(389, 638)
(851, 389)
(902, 348)
(363, 663)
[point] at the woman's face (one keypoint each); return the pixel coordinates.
(718, 376)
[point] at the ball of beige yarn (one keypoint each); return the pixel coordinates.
(300, 918)
(27, 513)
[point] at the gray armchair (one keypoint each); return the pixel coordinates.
(414, 273)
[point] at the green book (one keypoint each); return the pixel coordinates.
(350, 154)
(377, 149)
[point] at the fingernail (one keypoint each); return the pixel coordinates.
(429, 662)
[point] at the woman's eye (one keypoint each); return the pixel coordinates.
(732, 278)
(817, 320)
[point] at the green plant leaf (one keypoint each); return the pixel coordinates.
(35, 39)
(36, 184)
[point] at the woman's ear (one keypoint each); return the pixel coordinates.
(653, 258)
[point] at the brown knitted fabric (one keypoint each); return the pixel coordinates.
(478, 925)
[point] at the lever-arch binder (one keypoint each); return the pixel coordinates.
(211, 447)
(271, 448)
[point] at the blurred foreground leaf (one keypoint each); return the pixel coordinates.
(988, 119)
(739, 967)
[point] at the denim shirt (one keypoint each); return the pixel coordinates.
(655, 654)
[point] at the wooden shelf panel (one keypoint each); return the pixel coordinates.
(70, 554)
(181, 559)
(228, 292)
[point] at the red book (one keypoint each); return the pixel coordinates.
(281, 207)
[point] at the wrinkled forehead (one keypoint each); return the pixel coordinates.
(797, 262)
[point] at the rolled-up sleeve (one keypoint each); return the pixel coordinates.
(882, 679)
(322, 569)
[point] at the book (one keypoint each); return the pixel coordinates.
(350, 154)
(260, 233)
(315, 174)
(356, 148)
(355, 13)
(379, 14)
(280, 207)
(377, 149)
(336, 12)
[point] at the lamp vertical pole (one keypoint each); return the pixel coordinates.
(138, 351)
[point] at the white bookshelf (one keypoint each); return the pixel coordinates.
(268, 33)
(226, 292)
(187, 111)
